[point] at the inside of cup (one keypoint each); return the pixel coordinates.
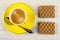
(17, 16)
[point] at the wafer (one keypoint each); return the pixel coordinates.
(46, 11)
(46, 27)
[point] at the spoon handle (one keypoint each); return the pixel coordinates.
(27, 30)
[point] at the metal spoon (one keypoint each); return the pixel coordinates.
(27, 30)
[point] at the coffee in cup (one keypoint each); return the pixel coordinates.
(17, 16)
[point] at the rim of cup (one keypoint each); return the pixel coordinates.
(11, 14)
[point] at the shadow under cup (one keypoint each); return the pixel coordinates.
(17, 16)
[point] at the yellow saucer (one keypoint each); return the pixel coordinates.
(29, 21)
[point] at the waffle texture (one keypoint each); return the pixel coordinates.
(46, 11)
(46, 27)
